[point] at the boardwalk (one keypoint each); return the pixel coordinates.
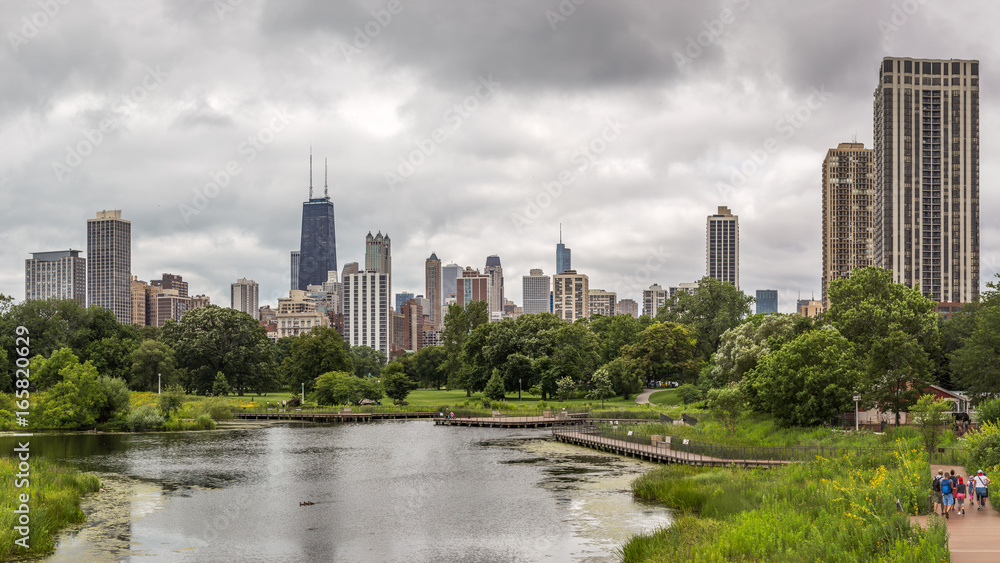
(975, 537)
(308, 416)
(512, 421)
(659, 453)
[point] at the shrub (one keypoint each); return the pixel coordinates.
(983, 448)
(216, 408)
(145, 417)
(171, 398)
(988, 411)
(205, 422)
(220, 387)
(689, 393)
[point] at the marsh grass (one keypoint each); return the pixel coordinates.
(55, 492)
(841, 509)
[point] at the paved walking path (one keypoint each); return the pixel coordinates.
(643, 398)
(974, 537)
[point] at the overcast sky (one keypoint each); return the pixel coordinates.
(463, 128)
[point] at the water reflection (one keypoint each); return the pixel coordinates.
(391, 491)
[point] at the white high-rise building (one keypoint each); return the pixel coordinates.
(535, 289)
(60, 274)
(367, 310)
(653, 299)
(571, 295)
(245, 296)
(109, 264)
(927, 175)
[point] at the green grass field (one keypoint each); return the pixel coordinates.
(667, 397)
(435, 397)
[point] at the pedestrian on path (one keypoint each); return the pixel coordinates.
(982, 488)
(960, 497)
(936, 490)
(947, 495)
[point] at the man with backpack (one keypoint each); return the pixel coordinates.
(947, 494)
(936, 490)
(982, 483)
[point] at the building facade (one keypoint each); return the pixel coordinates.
(767, 301)
(571, 295)
(563, 256)
(628, 307)
(297, 314)
(927, 175)
(59, 274)
(109, 264)
(172, 281)
(244, 295)
(495, 271)
(603, 303)
(535, 292)
(723, 247)
(653, 299)
(472, 286)
(401, 298)
(318, 243)
(295, 269)
(848, 211)
(367, 310)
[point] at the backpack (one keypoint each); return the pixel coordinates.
(946, 486)
(936, 484)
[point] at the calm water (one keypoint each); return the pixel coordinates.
(389, 491)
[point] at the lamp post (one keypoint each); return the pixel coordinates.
(519, 389)
(303, 392)
(158, 378)
(857, 398)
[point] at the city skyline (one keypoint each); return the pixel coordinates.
(563, 126)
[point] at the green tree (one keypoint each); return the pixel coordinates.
(625, 378)
(213, 339)
(897, 372)
(988, 411)
(518, 373)
(601, 386)
(152, 360)
(367, 361)
(117, 398)
(711, 309)
(76, 401)
(565, 387)
(396, 383)
(429, 363)
(689, 393)
(171, 399)
(313, 353)
(931, 416)
(617, 332)
(494, 387)
(727, 404)
(112, 356)
(974, 363)
(574, 355)
(459, 323)
(220, 387)
(807, 381)
(665, 351)
(742, 347)
(341, 388)
(47, 372)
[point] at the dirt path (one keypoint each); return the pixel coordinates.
(643, 397)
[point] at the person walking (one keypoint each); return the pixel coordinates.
(936, 490)
(982, 488)
(947, 495)
(960, 497)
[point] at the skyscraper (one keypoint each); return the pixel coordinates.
(401, 298)
(378, 257)
(723, 247)
(172, 281)
(60, 274)
(535, 292)
(563, 261)
(628, 307)
(848, 196)
(245, 296)
(767, 301)
(109, 264)
(295, 269)
(473, 286)
(432, 289)
(495, 271)
(349, 268)
(927, 175)
(571, 295)
(653, 299)
(602, 303)
(318, 246)
(449, 277)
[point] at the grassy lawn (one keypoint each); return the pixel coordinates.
(666, 397)
(435, 397)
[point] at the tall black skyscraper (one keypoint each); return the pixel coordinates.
(318, 250)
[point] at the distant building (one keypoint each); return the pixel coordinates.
(628, 307)
(167, 304)
(472, 286)
(378, 253)
(432, 338)
(244, 295)
(449, 283)
(511, 310)
(367, 312)
(685, 287)
(172, 281)
(266, 314)
(200, 302)
(109, 264)
(401, 298)
(948, 310)
(433, 289)
(59, 274)
(143, 302)
(536, 292)
(571, 299)
(495, 271)
(767, 301)
(602, 303)
(297, 314)
(723, 246)
(810, 307)
(563, 255)
(318, 243)
(848, 212)
(295, 257)
(653, 299)
(349, 268)
(412, 326)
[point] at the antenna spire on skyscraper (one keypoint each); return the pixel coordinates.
(310, 172)
(560, 233)
(326, 189)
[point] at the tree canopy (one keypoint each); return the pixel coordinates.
(711, 309)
